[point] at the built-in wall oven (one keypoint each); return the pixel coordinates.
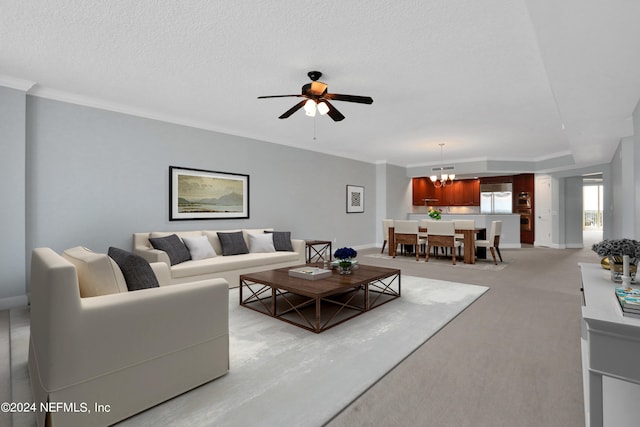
(524, 209)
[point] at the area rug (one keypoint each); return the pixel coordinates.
(283, 375)
(486, 265)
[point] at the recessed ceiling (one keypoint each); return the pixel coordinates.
(493, 80)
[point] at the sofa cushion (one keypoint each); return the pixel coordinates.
(212, 235)
(136, 270)
(281, 240)
(228, 263)
(199, 247)
(233, 243)
(173, 246)
(260, 243)
(247, 231)
(97, 273)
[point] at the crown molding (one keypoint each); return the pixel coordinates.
(100, 104)
(15, 83)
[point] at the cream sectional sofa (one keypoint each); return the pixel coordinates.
(92, 341)
(228, 267)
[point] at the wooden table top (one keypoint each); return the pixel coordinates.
(280, 279)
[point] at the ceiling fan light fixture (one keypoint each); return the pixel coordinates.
(318, 99)
(323, 108)
(310, 108)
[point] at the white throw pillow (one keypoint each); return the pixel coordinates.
(261, 243)
(199, 247)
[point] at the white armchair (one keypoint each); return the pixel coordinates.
(493, 243)
(442, 234)
(128, 350)
(407, 233)
(463, 224)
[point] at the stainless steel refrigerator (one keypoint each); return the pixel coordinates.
(496, 198)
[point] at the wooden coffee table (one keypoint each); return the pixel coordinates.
(317, 305)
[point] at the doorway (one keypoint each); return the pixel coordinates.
(592, 208)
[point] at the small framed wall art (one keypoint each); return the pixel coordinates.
(203, 194)
(355, 199)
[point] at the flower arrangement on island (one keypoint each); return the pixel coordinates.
(435, 213)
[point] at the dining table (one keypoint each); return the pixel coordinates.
(469, 236)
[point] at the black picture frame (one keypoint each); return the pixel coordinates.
(196, 194)
(355, 199)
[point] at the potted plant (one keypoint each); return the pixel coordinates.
(614, 252)
(345, 257)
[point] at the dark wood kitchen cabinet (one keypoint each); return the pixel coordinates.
(463, 192)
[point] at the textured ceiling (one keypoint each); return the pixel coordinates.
(492, 79)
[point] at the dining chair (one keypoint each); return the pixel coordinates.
(493, 242)
(442, 234)
(463, 224)
(386, 223)
(407, 233)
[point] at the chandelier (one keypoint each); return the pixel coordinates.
(444, 178)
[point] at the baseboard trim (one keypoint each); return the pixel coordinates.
(13, 302)
(575, 246)
(366, 246)
(551, 245)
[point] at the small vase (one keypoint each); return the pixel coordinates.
(616, 267)
(344, 267)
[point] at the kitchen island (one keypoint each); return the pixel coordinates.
(510, 237)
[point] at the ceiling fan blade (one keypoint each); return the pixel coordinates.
(293, 109)
(333, 112)
(278, 96)
(349, 98)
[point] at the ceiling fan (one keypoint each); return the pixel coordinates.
(317, 98)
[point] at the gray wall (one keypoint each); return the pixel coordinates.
(393, 201)
(94, 177)
(573, 207)
(634, 175)
(622, 206)
(12, 192)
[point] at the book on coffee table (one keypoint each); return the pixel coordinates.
(309, 273)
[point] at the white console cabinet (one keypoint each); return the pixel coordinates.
(610, 354)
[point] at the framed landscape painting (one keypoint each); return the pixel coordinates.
(203, 194)
(355, 199)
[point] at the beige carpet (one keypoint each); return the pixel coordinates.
(480, 264)
(304, 379)
(511, 359)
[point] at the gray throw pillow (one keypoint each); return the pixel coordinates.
(173, 246)
(233, 243)
(137, 272)
(282, 240)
